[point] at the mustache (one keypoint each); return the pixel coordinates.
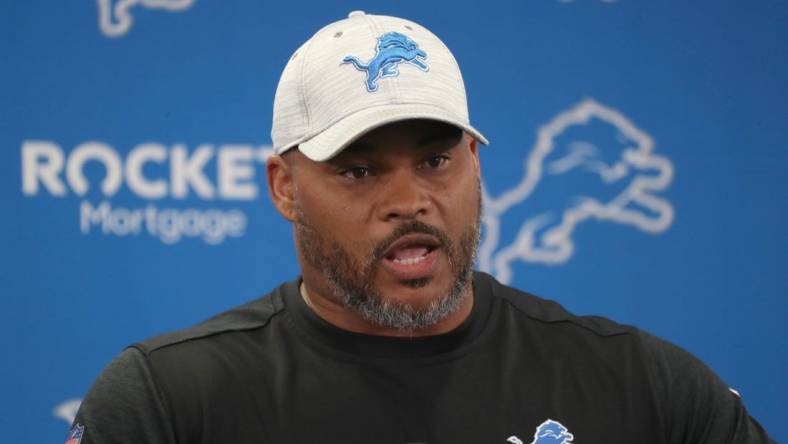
(411, 227)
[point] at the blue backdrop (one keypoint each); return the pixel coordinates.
(637, 171)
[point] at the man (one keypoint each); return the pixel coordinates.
(388, 336)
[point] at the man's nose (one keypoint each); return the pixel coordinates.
(404, 196)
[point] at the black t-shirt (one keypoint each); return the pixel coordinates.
(520, 369)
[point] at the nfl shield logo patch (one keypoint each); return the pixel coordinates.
(75, 434)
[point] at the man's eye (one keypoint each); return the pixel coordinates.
(436, 161)
(356, 173)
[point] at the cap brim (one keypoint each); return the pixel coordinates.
(335, 138)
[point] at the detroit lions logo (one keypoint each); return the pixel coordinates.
(393, 48)
(552, 432)
(548, 432)
(589, 163)
(115, 18)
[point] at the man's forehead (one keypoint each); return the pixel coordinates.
(414, 133)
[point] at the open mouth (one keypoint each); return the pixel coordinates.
(412, 256)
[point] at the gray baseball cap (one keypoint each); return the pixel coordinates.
(360, 73)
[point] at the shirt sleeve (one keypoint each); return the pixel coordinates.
(124, 405)
(697, 406)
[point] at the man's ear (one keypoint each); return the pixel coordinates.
(280, 186)
(473, 146)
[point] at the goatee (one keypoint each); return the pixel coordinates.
(351, 282)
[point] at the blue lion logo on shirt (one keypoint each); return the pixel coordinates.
(552, 432)
(548, 432)
(393, 48)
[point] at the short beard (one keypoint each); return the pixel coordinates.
(351, 281)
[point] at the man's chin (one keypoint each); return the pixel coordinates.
(408, 304)
(417, 283)
(418, 294)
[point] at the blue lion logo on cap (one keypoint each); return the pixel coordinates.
(552, 432)
(393, 48)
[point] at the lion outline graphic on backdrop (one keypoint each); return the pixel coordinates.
(115, 20)
(548, 240)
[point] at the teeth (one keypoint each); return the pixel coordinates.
(410, 261)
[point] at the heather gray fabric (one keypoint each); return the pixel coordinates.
(322, 104)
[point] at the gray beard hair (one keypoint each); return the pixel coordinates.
(351, 283)
(368, 302)
(404, 317)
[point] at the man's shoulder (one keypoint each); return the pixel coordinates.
(253, 315)
(552, 314)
